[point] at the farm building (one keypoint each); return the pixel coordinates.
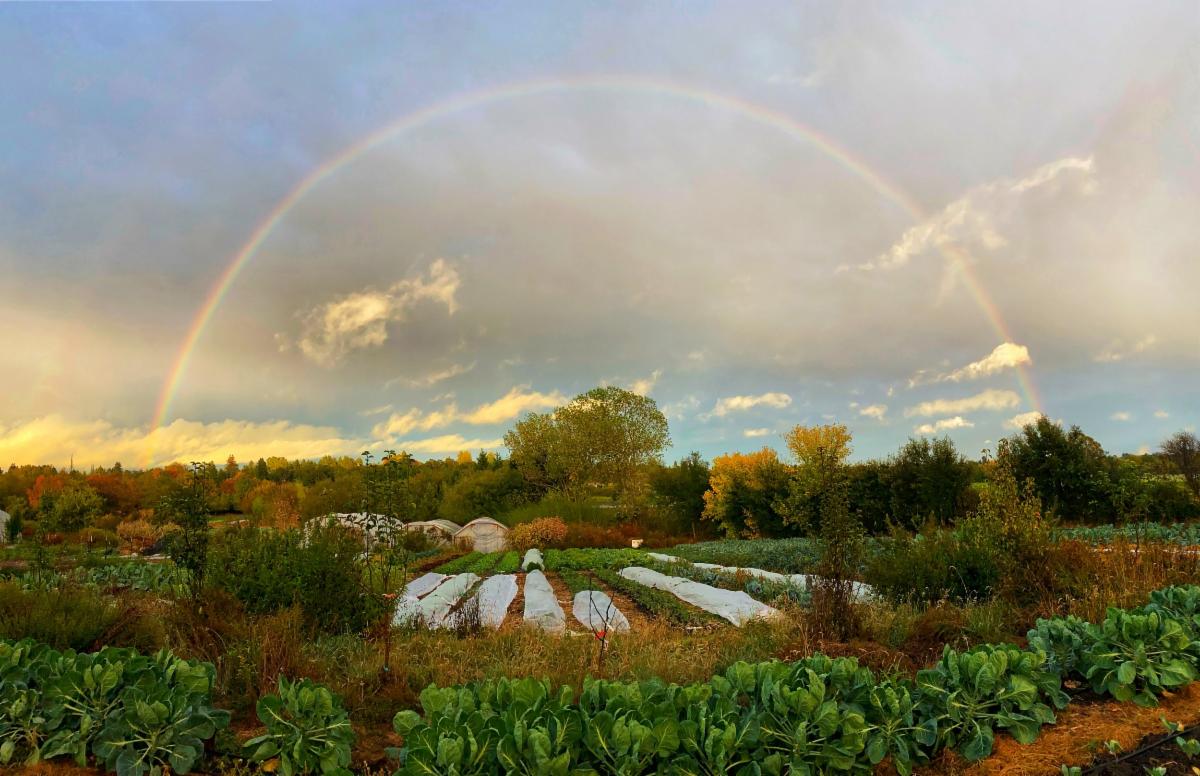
(483, 534)
(442, 531)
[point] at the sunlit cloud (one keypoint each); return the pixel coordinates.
(432, 378)
(1006, 355)
(945, 424)
(754, 433)
(990, 399)
(509, 406)
(974, 219)
(730, 404)
(447, 444)
(360, 320)
(1162, 414)
(876, 411)
(1121, 416)
(1022, 420)
(99, 443)
(1119, 350)
(645, 385)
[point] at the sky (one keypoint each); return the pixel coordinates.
(300, 229)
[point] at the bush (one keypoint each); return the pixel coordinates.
(541, 533)
(321, 569)
(99, 538)
(933, 567)
(64, 618)
(140, 535)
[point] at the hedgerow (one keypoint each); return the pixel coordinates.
(818, 715)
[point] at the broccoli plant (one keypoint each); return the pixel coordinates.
(1136, 656)
(307, 729)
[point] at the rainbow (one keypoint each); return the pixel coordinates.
(624, 84)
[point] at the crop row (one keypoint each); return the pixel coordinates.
(460, 564)
(593, 558)
(1173, 533)
(658, 603)
(818, 715)
(757, 588)
(135, 575)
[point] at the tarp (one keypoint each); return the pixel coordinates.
(598, 613)
(434, 607)
(494, 596)
(733, 605)
(658, 556)
(533, 559)
(802, 581)
(541, 607)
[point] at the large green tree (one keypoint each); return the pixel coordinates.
(928, 480)
(602, 437)
(1069, 469)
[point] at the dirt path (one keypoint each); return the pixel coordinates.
(563, 594)
(1076, 739)
(515, 618)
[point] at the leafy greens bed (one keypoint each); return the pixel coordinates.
(819, 715)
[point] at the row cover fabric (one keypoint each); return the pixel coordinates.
(598, 613)
(541, 607)
(533, 559)
(435, 607)
(423, 585)
(494, 596)
(802, 581)
(733, 605)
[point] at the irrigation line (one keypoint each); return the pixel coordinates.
(1140, 750)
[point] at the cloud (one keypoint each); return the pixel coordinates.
(360, 320)
(876, 411)
(990, 399)
(447, 444)
(1121, 416)
(646, 384)
(677, 410)
(972, 220)
(1162, 414)
(1006, 355)
(1024, 419)
(433, 378)
(52, 439)
(1117, 350)
(375, 410)
(752, 433)
(516, 402)
(730, 404)
(944, 424)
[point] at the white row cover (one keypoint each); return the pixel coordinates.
(597, 612)
(802, 581)
(658, 556)
(733, 605)
(433, 607)
(494, 596)
(423, 585)
(533, 559)
(541, 607)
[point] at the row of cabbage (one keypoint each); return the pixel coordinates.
(818, 715)
(129, 575)
(1186, 534)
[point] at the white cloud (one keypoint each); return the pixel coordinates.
(375, 410)
(677, 410)
(360, 319)
(990, 399)
(1006, 355)
(1023, 420)
(730, 404)
(433, 378)
(973, 220)
(752, 433)
(1118, 350)
(1121, 416)
(516, 402)
(876, 411)
(447, 444)
(646, 384)
(1162, 414)
(53, 439)
(945, 424)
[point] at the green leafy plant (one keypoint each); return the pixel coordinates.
(1136, 656)
(1063, 640)
(967, 695)
(307, 729)
(157, 728)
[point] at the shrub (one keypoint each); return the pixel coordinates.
(141, 534)
(66, 617)
(307, 729)
(322, 570)
(99, 538)
(929, 568)
(541, 533)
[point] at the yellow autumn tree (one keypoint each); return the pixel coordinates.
(821, 453)
(744, 492)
